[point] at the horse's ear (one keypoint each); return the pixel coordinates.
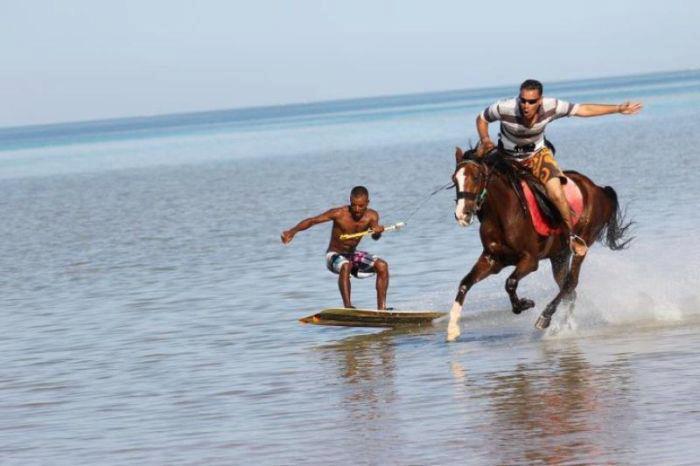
(458, 154)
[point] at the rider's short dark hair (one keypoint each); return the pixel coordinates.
(358, 191)
(531, 85)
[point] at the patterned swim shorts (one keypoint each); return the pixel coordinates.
(362, 263)
(543, 166)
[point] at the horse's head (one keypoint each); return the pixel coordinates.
(470, 178)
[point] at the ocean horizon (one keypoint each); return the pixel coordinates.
(85, 131)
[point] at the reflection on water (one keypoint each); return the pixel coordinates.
(367, 387)
(405, 397)
(366, 365)
(505, 400)
(555, 409)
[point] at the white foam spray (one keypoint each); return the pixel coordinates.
(646, 285)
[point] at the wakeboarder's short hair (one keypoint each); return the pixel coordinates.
(358, 191)
(531, 85)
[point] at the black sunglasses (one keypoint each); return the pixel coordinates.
(529, 101)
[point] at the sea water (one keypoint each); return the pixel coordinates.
(150, 312)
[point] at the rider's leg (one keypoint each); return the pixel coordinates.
(555, 191)
(382, 270)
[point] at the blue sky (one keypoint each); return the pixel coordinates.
(80, 60)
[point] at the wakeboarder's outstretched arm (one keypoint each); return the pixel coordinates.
(307, 223)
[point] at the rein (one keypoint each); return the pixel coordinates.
(478, 198)
(419, 205)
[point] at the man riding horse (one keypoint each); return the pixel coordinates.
(487, 187)
(521, 138)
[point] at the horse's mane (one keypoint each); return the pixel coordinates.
(494, 160)
(470, 154)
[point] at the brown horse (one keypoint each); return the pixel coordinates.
(509, 238)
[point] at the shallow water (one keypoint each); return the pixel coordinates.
(150, 311)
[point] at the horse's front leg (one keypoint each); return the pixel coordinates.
(526, 264)
(567, 292)
(485, 266)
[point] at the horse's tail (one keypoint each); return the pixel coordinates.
(614, 233)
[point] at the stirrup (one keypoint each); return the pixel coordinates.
(577, 239)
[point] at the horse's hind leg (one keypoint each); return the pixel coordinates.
(484, 267)
(567, 292)
(560, 266)
(527, 264)
(560, 269)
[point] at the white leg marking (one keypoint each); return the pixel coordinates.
(453, 327)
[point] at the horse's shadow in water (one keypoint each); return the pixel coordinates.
(487, 189)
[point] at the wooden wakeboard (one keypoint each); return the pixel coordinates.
(371, 318)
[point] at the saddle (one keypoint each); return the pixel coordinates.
(533, 196)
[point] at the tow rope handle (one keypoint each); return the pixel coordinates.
(395, 226)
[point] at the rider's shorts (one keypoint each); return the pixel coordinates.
(543, 166)
(362, 263)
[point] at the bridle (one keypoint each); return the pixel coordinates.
(483, 181)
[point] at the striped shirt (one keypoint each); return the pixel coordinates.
(518, 139)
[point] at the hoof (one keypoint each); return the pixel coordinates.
(523, 305)
(542, 322)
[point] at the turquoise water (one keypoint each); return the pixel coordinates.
(150, 311)
(300, 129)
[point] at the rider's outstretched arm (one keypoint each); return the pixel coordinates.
(307, 223)
(591, 110)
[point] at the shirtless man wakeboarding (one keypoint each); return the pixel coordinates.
(342, 257)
